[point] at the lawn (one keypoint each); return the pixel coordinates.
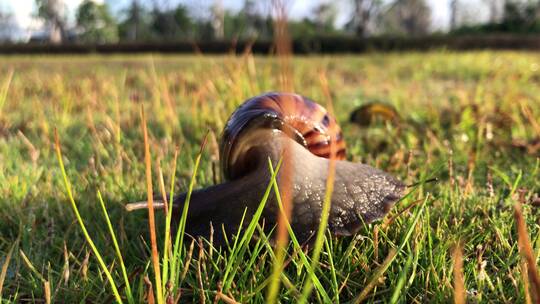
(470, 119)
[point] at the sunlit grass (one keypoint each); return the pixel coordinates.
(473, 115)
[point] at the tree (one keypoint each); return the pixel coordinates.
(218, 20)
(136, 25)
(183, 20)
(163, 24)
(245, 24)
(324, 17)
(453, 14)
(495, 8)
(463, 14)
(363, 13)
(95, 23)
(53, 13)
(521, 16)
(171, 23)
(512, 16)
(8, 26)
(256, 24)
(407, 17)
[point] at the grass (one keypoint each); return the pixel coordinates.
(471, 119)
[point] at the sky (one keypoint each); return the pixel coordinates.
(25, 9)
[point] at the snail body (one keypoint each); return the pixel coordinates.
(263, 128)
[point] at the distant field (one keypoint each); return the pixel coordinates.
(471, 119)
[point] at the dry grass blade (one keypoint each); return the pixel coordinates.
(151, 217)
(527, 253)
(84, 266)
(376, 244)
(525, 278)
(47, 291)
(389, 220)
(5, 266)
(149, 291)
(283, 48)
(225, 298)
(283, 45)
(188, 260)
(202, 297)
(46, 283)
(459, 284)
(527, 112)
(31, 266)
(331, 173)
(34, 153)
(66, 265)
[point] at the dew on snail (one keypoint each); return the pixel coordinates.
(273, 121)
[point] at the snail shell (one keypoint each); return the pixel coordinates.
(305, 121)
(263, 128)
(367, 113)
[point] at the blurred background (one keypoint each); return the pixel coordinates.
(470, 118)
(346, 25)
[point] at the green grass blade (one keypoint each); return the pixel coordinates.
(391, 257)
(116, 248)
(4, 268)
(242, 246)
(298, 248)
(502, 175)
(402, 279)
(179, 240)
(329, 249)
(516, 183)
(96, 252)
(167, 243)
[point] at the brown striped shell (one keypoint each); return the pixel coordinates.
(302, 119)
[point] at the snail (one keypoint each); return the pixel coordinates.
(260, 129)
(367, 113)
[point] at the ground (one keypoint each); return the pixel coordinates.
(470, 119)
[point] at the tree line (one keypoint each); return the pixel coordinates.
(156, 22)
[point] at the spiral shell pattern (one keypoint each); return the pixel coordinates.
(300, 118)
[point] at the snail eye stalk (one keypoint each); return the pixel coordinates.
(431, 180)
